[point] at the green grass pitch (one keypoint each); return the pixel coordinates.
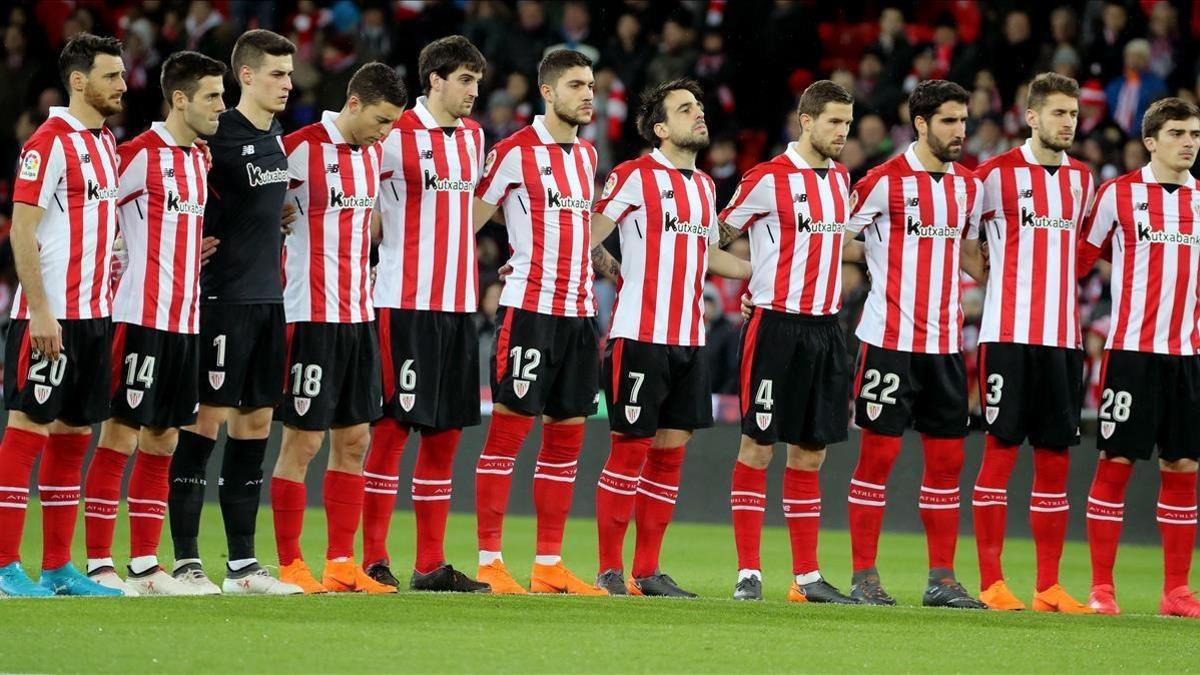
(427, 633)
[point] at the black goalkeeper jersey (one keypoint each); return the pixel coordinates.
(247, 185)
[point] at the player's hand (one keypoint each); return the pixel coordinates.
(202, 146)
(208, 246)
(45, 334)
(747, 306)
(505, 272)
(288, 216)
(987, 258)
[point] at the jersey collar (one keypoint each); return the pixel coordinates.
(794, 155)
(914, 162)
(327, 119)
(421, 110)
(160, 128)
(1027, 153)
(1148, 177)
(64, 113)
(539, 127)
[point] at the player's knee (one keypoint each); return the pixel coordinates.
(805, 458)
(299, 447)
(160, 442)
(671, 438)
(19, 420)
(1179, 465)
(754, 455)
(119, 436)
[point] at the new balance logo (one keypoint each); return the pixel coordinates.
(799, 198)
(426, 154)
(332, 168)
(667, 194)
(673, 224)
(94, 191)
(1142, 206)
(546, 170)
(432, 182)
(247, 150)
(916, 228)
(341, 200)
(912, 201)
(168, 173)
(556, 200)
(1026, 194)
(1030, 219)
(85, 158)
(810, 226)
(174, 205)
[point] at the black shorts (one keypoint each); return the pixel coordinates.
(895, 390)
(242, 355)
(546, 365)
(430, 366)
(794, 379)
(1149, 400)
(155, 376)
(1031, 392)
(75, 388)
(650, 387)
(333, 377)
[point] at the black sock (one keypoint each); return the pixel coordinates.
(189, 466)
(240, 490)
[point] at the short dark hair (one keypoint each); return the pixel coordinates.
(80, 54)
(377, 82)
(1165, 110)
(652, 108)
(1042, 86)
(820, 93)
(182, 71)
(446, 55)
(253, 45)
(929, 95)
(555, 63)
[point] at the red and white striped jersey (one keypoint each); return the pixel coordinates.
(163, 189)
(913, 223)
(1031, 214)
(71, 172)
(427, 257)
(796, 215)
(666, 219)
(545, 189)
(327, 256)
(1153, 233)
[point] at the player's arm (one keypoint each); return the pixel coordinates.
(728, 234)
(853, 250)
(726, 264)
(971, 260)
(377, 225)
(45, 334)
(603, 262)
(483, 212)
(1095, 240)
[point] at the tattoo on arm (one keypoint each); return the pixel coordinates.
(728, 234)
(604, 263)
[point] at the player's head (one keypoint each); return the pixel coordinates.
(826, 111)
(673, 113)
(90, 66)
(939, 114)
(566, 82)
(375, 99)
(262, 64)
(1171, 132)
(451, 69)
(192, 86)
(1053, 111)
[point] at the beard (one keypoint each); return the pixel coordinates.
(944, 152)
(691, 142)
(826, 148)
(571, 116)
(1054, 143)
(102, 104)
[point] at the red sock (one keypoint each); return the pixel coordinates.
(657, 491)
(432, 487)
(616, 494)
(493, 475)
(1048, 511)
(1105, 513)
(868, 495)
(1177, 524)
(343, 495)
(939, 498)
(18, 452)
(149, 484)
(381, 481)
(802, 509)
(102, 496)
(748, 502)
(58, 488)
(287, 507)
(989, 506)
(554, 483)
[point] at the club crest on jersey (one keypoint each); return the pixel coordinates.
(1107, 429)
(407, 401)
(609, 186)
(521, 387)
(216, 378)
(1196, 208)
(632, 413)
(31, 165)
(763, 420)
(961, 198)
(991, 414)
(133, 397)
(873, 410)
(301, 405)
(1076, 193)
(41, 393)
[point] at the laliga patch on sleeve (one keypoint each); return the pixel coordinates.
(487, 164)
(31, 165)
(609, 185)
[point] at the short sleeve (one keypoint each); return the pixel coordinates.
(868, 199)
(501, 171)
(42, 166)
(392, 160)
(297, 159)
(751, 200)
(131, 170)
(975, 214)
(1098, 225)
(622, 194)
